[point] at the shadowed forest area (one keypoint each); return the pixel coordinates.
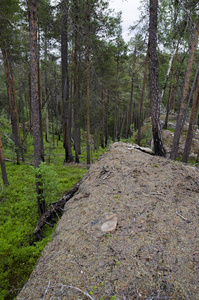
(70, 86)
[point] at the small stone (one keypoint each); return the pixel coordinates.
(110, 223)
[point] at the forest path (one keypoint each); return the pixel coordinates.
(153, 252)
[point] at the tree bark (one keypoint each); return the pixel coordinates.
(153, 77)
(178, 130)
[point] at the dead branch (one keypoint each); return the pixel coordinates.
(52, 211)
(76, 288)
(13, 25)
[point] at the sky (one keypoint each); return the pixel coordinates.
(130, 13)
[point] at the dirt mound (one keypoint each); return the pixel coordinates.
(153, 252)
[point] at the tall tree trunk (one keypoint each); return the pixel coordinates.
(153, 77)
(3, 166)
(190, 96)
(40, 96)
(115, 103)
(123, 118)
(38, 157)
(142, 99)
(65, 84)
(192, 123)
(22, 105)
(166, 78)
(171, 89)
(88, 104)
(103, 119)
(56, 107)
(53, 128)
(168, 106)
(12, 102)
(88, 88)
(29, 91)
(76, 121)
(107, 114)
(131, 98)
(178, 130)
(46, 100)
(79, 103)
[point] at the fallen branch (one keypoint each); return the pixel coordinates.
(76, 288)
(55, 207)
(182, 217)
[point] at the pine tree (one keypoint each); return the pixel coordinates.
(35, 106)
(153, 77)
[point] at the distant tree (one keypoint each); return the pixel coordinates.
(178, 129)
(142, 98)
(153, 77)
(8, 13)
(12, 101)
(131, 97)
(192, 123)
(3, 166)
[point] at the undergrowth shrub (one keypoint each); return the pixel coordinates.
(49, 181)
(19, 251)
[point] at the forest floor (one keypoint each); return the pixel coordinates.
(152, 254)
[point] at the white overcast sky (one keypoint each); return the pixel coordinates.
(130, 13)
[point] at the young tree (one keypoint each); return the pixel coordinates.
(153, 77)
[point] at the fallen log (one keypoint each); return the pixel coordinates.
(55, 208)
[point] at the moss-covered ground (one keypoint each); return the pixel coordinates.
(19, 251)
